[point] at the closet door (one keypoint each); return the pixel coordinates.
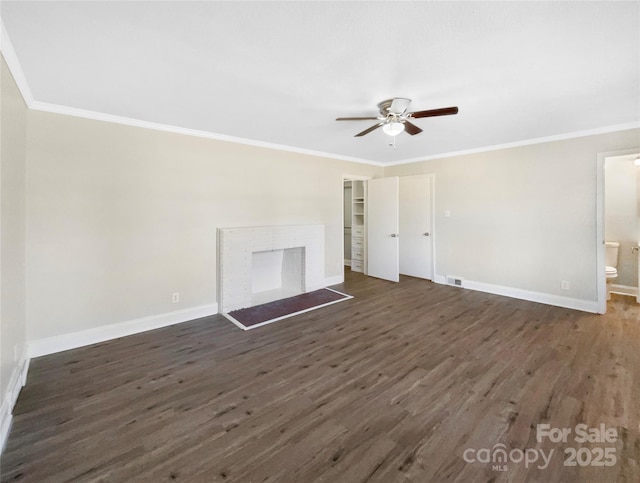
(382, 228)
(416, 243)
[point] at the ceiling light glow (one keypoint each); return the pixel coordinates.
(393, 128)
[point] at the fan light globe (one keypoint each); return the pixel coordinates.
(393, 128)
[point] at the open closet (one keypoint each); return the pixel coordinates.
(355, 224)
(399, 227)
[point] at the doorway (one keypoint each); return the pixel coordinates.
(618, 225)
(354, 222)
(400, 227)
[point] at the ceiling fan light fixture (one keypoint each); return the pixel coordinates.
(393, 128)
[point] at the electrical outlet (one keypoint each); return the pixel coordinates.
(564, 285)
(175, 298)
(447, 213)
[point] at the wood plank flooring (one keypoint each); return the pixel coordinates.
(391, 386)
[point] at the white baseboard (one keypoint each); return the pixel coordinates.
(17, 380)
(624, 290)
(441, 279)
(73, 340)
(543, 298)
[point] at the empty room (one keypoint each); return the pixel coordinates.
(319, 241)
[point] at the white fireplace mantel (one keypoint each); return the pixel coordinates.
(237, 245)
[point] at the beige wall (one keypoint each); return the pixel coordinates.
(120, 217)
(13, 125)
(523, 217)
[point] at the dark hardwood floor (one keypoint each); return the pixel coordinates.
(398, 384)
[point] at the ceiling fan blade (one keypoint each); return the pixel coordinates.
(367, 131)
(445, 111)
(356, 118)
(399, 105)
(411, 128)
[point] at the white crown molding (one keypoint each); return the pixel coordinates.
(9, 53)
(73, 340)
(516, 293)
(99, 116)
(15, 68)
(524, 142)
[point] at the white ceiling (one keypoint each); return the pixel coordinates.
(280, 72)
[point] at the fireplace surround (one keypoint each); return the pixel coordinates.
(242, 251)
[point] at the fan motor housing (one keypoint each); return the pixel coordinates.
(384, 107)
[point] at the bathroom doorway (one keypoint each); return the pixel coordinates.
(618, 225)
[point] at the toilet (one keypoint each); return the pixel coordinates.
(611, 260)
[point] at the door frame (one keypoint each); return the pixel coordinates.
(432, 182)
(601, 278)
(348, 177)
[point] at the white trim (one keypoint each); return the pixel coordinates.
(441, 279)
(18, 74)
(73, 340)
(270, 321)
(601, 279)
(99, 116)
(523, 142)
(127, 121)
(15, 68)
(623, 290)
(542, 298)
(16, 382)
(5, 423)
(235, 322)
(434, 231)
(355, 177)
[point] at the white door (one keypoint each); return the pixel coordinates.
(382, 228)
(415, 226)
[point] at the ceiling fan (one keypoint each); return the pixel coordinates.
(394, 117)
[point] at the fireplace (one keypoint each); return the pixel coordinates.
(276, 274)
(261, 264)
